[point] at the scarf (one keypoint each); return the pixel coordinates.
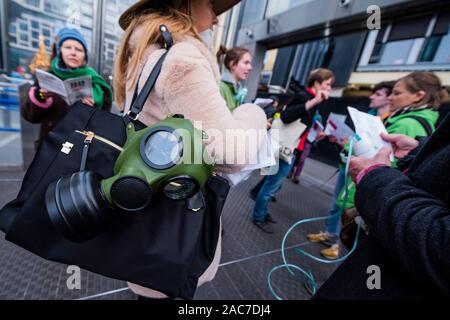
(99, 85)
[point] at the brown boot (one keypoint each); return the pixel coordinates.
(331, 253)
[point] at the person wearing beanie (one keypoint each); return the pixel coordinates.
(71, 34)
(69, 62)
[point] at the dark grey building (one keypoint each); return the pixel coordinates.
(342, 35)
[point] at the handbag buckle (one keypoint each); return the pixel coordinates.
(133, 116)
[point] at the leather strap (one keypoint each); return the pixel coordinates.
(139, 99)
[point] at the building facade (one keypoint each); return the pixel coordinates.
(363, 41)
(25, 20)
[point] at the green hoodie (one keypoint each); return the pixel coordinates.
(400, 124)
(404, 124)
(228, 92)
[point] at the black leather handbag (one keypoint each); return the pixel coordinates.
(165, 247)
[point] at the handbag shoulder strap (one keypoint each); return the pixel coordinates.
(139, 99)
(424, 123)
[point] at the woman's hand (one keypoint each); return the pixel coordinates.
(342, 142)
(401, 144)
(332, 139)
(321, 136)
(358, 164)
(320, 96)
(89, 101)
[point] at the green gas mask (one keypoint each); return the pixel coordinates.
(167, 159)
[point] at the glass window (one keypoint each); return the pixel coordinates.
(429, 49)
(112, 32)
(48, 17)
(12, 28)
(23, 36)
(443, 52)
(1, 42)
(376, 53)
(412, 42)
(253, 11)
(34, 3)
(23, 26)
(275, 7)
(396, 52)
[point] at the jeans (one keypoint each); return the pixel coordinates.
(333, 224)
(260, 184)
(271, 185)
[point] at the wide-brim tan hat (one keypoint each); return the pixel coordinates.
(220, 6)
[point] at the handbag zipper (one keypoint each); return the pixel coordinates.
(91, 135)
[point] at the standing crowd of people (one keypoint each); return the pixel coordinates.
(405, 202)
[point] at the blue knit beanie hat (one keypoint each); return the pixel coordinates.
(72, 34)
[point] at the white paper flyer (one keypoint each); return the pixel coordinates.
(369, 128)
(71, 90)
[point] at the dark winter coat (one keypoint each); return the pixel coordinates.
(296, 109)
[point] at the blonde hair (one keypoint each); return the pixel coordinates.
(179, 21)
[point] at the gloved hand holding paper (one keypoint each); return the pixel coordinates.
(368, 128)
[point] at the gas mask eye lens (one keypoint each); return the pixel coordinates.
(162, 149)
(180, 188)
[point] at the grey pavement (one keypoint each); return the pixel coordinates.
(247, 258)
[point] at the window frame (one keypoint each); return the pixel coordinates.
(412, 62)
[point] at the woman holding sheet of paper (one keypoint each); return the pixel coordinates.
(412, 104)
(70, 62)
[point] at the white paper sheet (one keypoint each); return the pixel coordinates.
(71, 90)
(369, 128)
(314, 132)
(266, 158)
(51, 83)
(263, 102)
(336, 127)
(78, 88)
